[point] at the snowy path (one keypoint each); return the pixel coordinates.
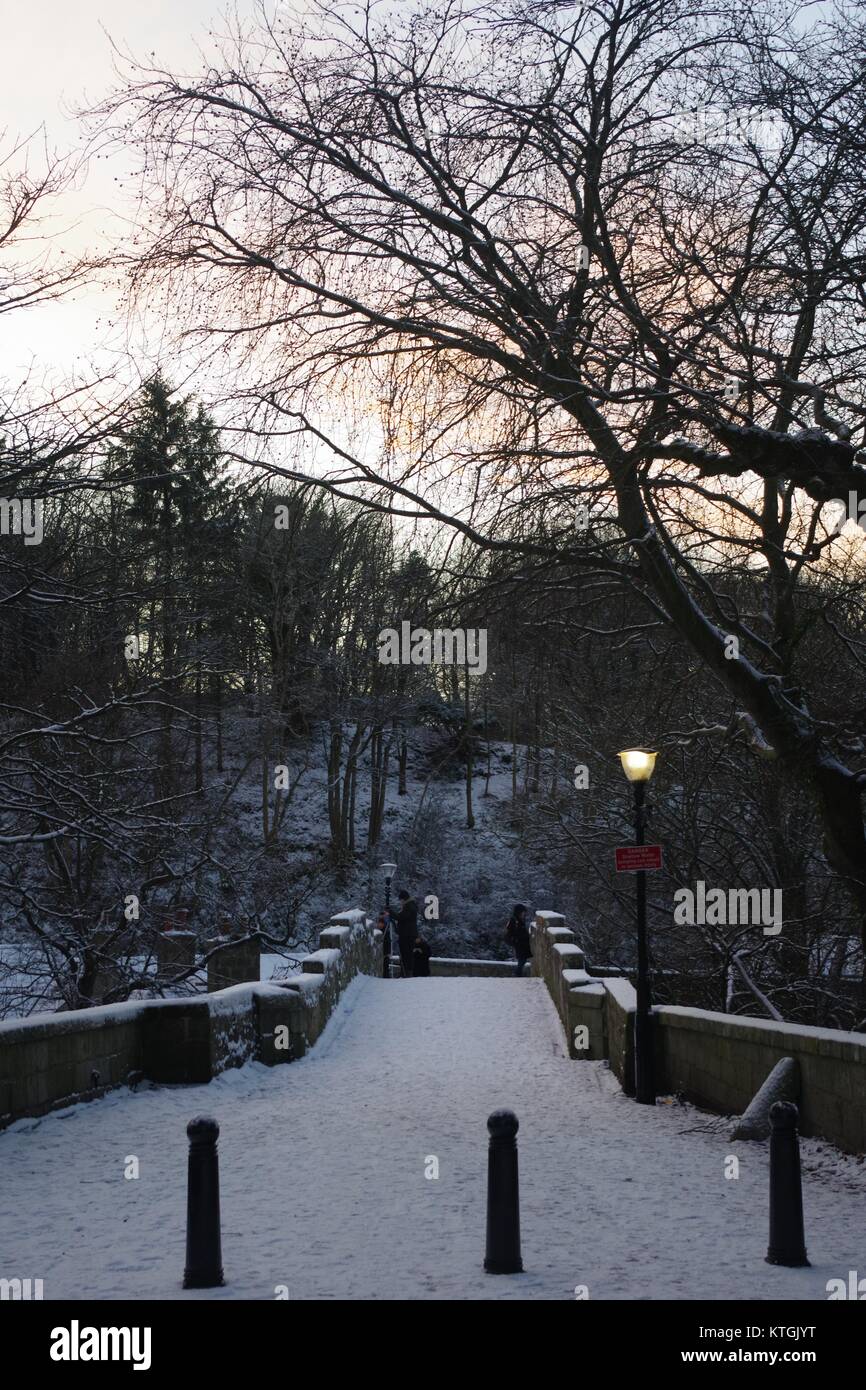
(323, 1173)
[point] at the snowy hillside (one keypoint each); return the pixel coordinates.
(465, 880)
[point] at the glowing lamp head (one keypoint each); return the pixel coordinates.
(389, 870)
(638, 763)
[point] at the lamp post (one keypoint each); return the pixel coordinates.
(389, 870)
(638, 765)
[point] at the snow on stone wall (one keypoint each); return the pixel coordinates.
(51, 1060)
(716, 1060)
(722, 1060)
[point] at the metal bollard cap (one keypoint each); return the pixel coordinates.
(202, 1129)
(503, 1124)
(784, 1114)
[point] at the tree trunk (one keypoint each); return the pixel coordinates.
(199, 760)
(263, 729)
(470, 818)
(487, 736)
(166, 769)
(404, 759)
(353, 789)
(380, 752)
(536, 738)
(218, 718)
(334, 759)
(346, 842)
(375, 754)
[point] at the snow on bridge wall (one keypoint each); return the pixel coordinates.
(52, 1060)
(721, 1060)
(717, 1060)
(478, 969)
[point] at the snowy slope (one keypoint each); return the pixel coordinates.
(293, 889)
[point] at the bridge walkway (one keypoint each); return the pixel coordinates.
(326, 1172)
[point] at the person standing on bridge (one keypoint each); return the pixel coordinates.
(517, 935)
(407, 930)
(421, 958)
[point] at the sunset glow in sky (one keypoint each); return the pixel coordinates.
(57, 59)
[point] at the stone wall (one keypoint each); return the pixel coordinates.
(53, 1060)
(233, 962)
(493, 969)
(717, 1060)
(720, 1060)
(620, 1008)
(579, 999)
(73, 1056)
(175, 1037)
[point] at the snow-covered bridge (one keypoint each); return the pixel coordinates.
(326, 1172)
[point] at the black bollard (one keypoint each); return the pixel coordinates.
(787, 1241)
(204, 1266)
(503, 1196)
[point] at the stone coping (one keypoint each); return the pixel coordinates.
(825, 1042)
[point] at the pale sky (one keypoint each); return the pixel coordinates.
(57, 56)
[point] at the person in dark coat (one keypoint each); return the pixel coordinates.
(517, 934)
(421, 958)
(407, 930)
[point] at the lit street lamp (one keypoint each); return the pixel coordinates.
(389, 870)
(638, 765)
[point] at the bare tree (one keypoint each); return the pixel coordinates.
(489, 222)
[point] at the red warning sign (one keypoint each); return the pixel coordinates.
(633, 857)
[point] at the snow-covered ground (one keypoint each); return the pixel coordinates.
(323, 1173)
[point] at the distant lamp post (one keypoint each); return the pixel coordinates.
(638, 765)
(389, 870)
